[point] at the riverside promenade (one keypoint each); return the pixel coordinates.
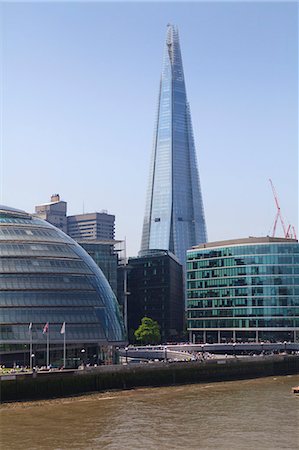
(53, 384)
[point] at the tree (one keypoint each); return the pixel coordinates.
(148, 332)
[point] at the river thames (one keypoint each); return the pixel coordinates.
(248, 414)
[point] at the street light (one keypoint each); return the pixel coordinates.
(234, 348)
(83, 354)
(126, 349)
(285, 346)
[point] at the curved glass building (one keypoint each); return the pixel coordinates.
(47, 278)
(244, 290)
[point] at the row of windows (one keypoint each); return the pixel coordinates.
(244, 323)
(245, 270)
(5, 219)
(244, 312)
(244, 261)
(248, 302)
(8, 265)
(243, 250)
(250, 291)
(37, 296)
(44, 303)
(43, 315)
(29, 234)
(74, 332)
(44, 282)
(39, 249)
(244, 281)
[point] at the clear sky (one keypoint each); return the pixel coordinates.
(79, 93)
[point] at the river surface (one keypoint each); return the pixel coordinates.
(252, 414)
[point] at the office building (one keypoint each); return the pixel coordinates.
(174, 215)
(155, 286)
(105, 256)
(53, 212)
(84, 228)
(99, 226)
(47, 278)
(244, 290)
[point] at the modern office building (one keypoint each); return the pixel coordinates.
(47, 278)
(155, 286)
(244, 290)
(53, 212)
(99, 226)
(93, 231)
(105, 256)
(174, 215)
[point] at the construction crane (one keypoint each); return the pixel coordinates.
(289, 232)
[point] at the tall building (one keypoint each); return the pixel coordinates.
(91, 226)
(53, 212)
(174, 215)
(244, 290)
(155, 285)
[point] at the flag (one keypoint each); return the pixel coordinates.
(46, 328)
(30, 326)
(62, 331)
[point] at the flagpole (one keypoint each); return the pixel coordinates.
(64, 348)
(48, 349)
(30, 347)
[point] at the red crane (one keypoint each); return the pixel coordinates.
(289, 232)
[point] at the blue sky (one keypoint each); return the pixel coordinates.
(79, 93)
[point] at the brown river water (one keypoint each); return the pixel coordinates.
(252, 414)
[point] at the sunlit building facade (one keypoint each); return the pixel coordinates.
(47, 278)
(244, 290)
(174, 216)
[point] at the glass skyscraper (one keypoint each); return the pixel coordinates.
(174, 216)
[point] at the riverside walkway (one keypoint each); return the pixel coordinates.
(185, 352)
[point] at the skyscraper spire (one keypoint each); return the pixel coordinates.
(174, 216)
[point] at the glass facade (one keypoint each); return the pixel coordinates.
(105, 256)
(174, 217)
(46, 277)
(244, 290)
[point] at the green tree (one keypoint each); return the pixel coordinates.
(148, 332)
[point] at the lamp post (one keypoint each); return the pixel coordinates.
(234, 349)
(32, 355)
(83, 354)
(285, 346)
(126, 349)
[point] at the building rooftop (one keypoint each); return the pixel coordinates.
(151, 253)
(13, 212)
(243, 241)
(98, 241)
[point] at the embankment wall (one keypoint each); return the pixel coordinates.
(62, 384)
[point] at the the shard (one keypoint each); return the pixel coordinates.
(174, 215)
